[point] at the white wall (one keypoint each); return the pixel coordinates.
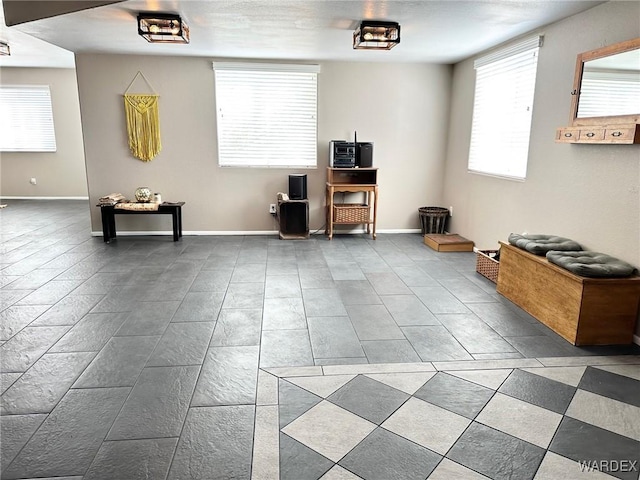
(589, 193)
(401, 108)
(60, 173)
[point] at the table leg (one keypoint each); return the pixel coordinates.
(105, 225)
(112, 225)
(375, 210)
(180, 222)
(330, 211)
(174, 217)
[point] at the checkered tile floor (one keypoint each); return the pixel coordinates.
(415, 421)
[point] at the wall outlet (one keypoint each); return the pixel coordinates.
(272, 208)
(451, 211)
(33, 181)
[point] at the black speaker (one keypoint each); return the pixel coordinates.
(364, 154)
(298, 186)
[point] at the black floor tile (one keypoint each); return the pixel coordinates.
(216, 443)
(16, 431)
(390, 351)
(199, 307)
(384, 455)
(123, 459)
(148, 318)
(44, 384)
(182, 344)
(119, 363)
(368, 398)
(333, 337)
(283, 314)
(72, 434)
(541, 391)
(157, 405)
(495, 454)
(373, 322)
(455, 394)
(228, 377)
(16, 317)
(293, 401)
(24, 349)
(435, 343)
(290, 348)
(473, 334)
(583, 442)
(68, 311)
(90, 334)
(612, 385)
(237, 326)
(299, 462)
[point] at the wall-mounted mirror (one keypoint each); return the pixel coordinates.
(607, 85)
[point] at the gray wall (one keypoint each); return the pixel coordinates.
(402, 108)
(589, 193)
(58, 174)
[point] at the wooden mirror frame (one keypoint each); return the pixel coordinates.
(607, 51)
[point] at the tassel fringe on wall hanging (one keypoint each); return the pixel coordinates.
(143, 122)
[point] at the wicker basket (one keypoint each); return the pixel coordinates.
(433, 219)
(487, 266)
(351, 213)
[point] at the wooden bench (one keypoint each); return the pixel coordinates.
(109, 221)
(584, 311)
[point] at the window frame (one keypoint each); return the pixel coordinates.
(26, 119)
(253, 96)
(503, 105)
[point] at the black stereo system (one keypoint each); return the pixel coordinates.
(343, 154)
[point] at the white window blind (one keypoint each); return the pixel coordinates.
(609, 92)
(502, 109)
(267, 114)
(26, 119)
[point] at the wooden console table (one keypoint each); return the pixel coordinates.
(352, 180)
(109, 221)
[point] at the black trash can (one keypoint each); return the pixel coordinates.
(433, 219)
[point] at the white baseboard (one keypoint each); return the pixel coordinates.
(129, 233)
(249, 232)
(4, 197)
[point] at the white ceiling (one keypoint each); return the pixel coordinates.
(445, 31)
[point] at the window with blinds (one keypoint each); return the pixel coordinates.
(26, 119)
(266, 114)
(502, 109)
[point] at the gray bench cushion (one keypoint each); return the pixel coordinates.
(591, 264)
(539, 244)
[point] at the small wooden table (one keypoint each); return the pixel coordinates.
(109, 221)
(352, 180)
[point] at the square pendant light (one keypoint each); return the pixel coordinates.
(4, 48)
(374, 35)
(162, 28)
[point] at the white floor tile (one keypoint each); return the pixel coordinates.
(521, 419)
(405, 382)
(569, 375)
(321, 385)
(487, 378)
(428, 425)
(606, 413)
(329, 430)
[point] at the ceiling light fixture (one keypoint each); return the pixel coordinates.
(374, 35)
(4, 48)
(162, 28)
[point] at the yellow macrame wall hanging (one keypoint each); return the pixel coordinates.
(143, 122)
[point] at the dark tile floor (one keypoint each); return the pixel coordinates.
(148, 358)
